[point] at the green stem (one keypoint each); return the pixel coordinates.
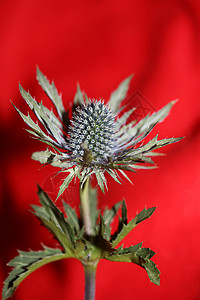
(90, 280)
(85, 206)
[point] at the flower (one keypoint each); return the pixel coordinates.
(97, 139)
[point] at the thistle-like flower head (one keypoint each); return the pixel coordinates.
(97, 139)
(92, 130)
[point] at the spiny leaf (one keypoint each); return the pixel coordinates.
(151, 146)
(144, 214)
(109, 214)
(102, 227)
(152, 271)
(124, 212)
(130, 249)
(92, 195)
(78, 99)
(123, 119)
(66, 181)
(137, 133)
(119, 94)
(125, 230)
(63, 239)
(100, 179)
(53, 219)
(48, 157)
(72, 218)
(52, 92)
(46, 118)
(54, 213)
(140, 256)
(27, 262)
(113, 174)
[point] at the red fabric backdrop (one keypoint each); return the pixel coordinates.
(99, 43)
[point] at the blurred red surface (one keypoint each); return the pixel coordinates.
(99, 43)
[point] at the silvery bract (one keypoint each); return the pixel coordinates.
(97, 139)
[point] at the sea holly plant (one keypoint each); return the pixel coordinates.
(90, 140)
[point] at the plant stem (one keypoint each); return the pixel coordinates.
(90, 280)
(85, 205)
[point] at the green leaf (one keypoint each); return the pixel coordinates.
(137, 133)
(34, 126)
(152, 271)
(125, 230)
(100, 178)
(52, 92)
(78, 99)
(27, 262)
(72, 218)
(124, 174)
(94, 213)
(62, 238)
(47, 118)
(119, 94)
(102, 227)
(134, 254)
(143, 215)
(109, 214)
(131, 249)
(53, 219)
(123, 119)
(124, 212)
(140, 256)
(48, 157)
(113, 174)
(152, 145)
(67, 180)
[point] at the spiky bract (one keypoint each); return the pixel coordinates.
(97, 139)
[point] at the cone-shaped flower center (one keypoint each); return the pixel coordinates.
(92, 128)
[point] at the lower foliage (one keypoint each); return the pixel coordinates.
(69, 231)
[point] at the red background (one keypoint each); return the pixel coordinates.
(99, 43)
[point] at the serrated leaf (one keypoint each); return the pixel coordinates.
(124, 212)
(52, 92)
(140, 256)
(62, 238)
(54, 159)
(124, 174)
(66, 181)
(102, 227)
(152, 145)
(27, 262)
(113, 174)
(130, 249)
(152, 271)
(145, 253)
(143, 215)
(72, 217)
(109, 214)
(100, 179)
(78, 99)
(52, 210)
(123, 119)
(125, 230)
(53, 219)
(94, 213)
(137, 133)
(119, 94)
(47, 119)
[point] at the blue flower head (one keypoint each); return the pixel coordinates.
(98, 139)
